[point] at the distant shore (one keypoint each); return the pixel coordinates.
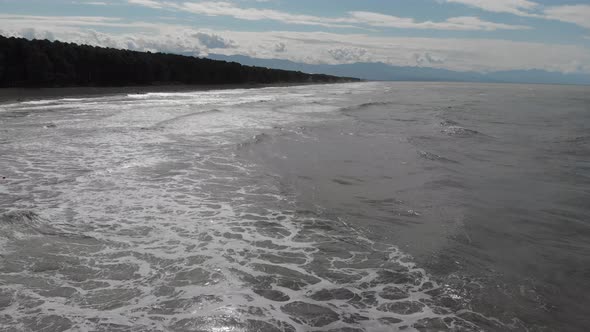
(11, 95)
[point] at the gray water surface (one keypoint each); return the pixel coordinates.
(351, 207)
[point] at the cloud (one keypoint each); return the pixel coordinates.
(516, 7)
(354, 19)
(427, 59)
(141, 36)
(213, 41)
(92, 3)
(70, 21)
(32, 33)
(280, 47)
(221, 8)
(147, 3)
(308, 47)
(348, 54)
(454, 23)
(576, 14)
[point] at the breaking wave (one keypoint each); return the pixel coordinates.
(365, 106)
(453, 128)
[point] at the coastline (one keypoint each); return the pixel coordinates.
(12, 95)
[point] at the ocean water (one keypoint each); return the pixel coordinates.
(348, 207)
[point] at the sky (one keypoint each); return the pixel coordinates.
(464, 35)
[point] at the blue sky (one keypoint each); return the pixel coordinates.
(481, 35)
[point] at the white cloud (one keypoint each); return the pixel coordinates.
(143, 36)
(427, 59)
(213, 41)
(576, 14)
(92, 3)
(516, 7)
(449, 53)
(355, 19)
(280, 47)
(309, 47)
(58, 22)
(349, 54)
(147, 3)
(454, 23)
(31, 33)
(220, 8)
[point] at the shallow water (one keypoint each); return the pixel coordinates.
(369, 207)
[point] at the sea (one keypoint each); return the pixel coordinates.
(370, 206)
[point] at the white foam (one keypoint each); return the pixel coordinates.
(153, 183)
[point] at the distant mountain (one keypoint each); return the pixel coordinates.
(539, 76)
(383, 72)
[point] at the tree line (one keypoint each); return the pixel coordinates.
(43, 63)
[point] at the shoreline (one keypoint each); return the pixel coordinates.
(20, 94)
(15, 95)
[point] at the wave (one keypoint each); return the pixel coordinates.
(185, 116)
(347, 181)
(19, 224)
(453, 128)
(435, 157)
(185, 94)
(254, 140)
(449, 123)
(36, 102)
(460, 132)
(578, 140)
(366, 105)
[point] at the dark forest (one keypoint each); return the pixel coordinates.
(43, 63)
